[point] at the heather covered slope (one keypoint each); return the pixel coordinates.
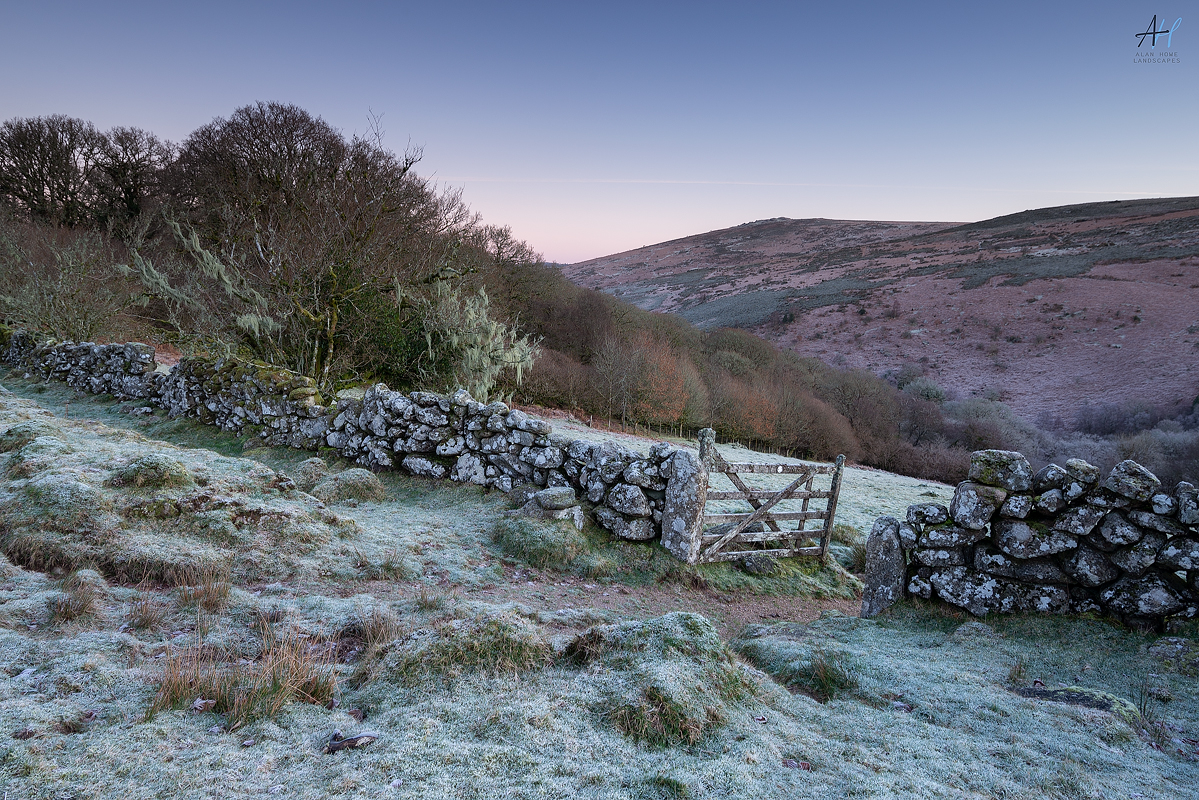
(485, 671)
(1039, 308)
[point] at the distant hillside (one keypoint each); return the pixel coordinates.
(1046, 309)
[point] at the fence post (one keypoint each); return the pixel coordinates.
(686, 496)
(834, 491)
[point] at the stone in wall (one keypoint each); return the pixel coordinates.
(1005, 469)
(885, 568)
(1071, 540)
(974, 504)
(981, 594)
(1030, 539)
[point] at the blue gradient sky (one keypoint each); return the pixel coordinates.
(596, 128)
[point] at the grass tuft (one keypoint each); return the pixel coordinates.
(824, 676)
(80, 598)
(493, 642)
(658, 719)
(209, 589)
(146, 612)
(289, 670)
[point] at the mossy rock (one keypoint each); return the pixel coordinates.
(21, 434)
(309, 473)
(353, 484)
(679, 676)
(552, 544)
(153, 471)
(494, 641)
(1089, 698)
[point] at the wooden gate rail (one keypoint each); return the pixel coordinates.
(715, 546)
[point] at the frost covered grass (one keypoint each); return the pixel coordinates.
(237, 591)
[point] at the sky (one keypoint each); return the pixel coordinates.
(591, 129)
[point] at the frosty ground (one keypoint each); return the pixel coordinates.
(154, 563)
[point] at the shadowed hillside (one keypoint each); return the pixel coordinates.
(1040, 309)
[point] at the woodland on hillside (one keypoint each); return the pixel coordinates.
(272, 235)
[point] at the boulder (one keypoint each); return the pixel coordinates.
(1180, 553)
(1156, 522)
(927, 514)
(682, 516)
(1051, 477)
(629, 500)
(919, 585)
(980, 594)
(949, 535)
(470, 469)
(1006, 469)
(1188, 503)
(1035, 570)
(1116, 530)
(1139, 557)
(974, 504)
(1164, 504)
(940, 557)
(1090, 567)
(885, 568)
(638, 529)
(759, 564)
(1081, 471)
(1149, 596)
(1079, 521)
(1105, 498)
(908, 536)
(556, 498)
(424, 467)
(1131, 480)
(1024, 539)
(1017, 506)
(1050, 502)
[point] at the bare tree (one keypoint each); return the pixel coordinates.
(47, 165)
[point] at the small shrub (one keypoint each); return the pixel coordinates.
(80, 598)
(373, 626)
(393, 566)
(1018, 674)
(857, 557)
(429, 602)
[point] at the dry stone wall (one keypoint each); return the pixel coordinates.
(1065, 539)
(422, 433)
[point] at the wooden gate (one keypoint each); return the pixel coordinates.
(760, 527)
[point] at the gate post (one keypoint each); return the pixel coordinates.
(686, 496)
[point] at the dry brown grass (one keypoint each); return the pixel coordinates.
(290, 669)
(146, 612)
(80, 598)
(209, 589)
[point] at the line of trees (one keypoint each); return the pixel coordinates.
(271, 234)
(268, 233)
